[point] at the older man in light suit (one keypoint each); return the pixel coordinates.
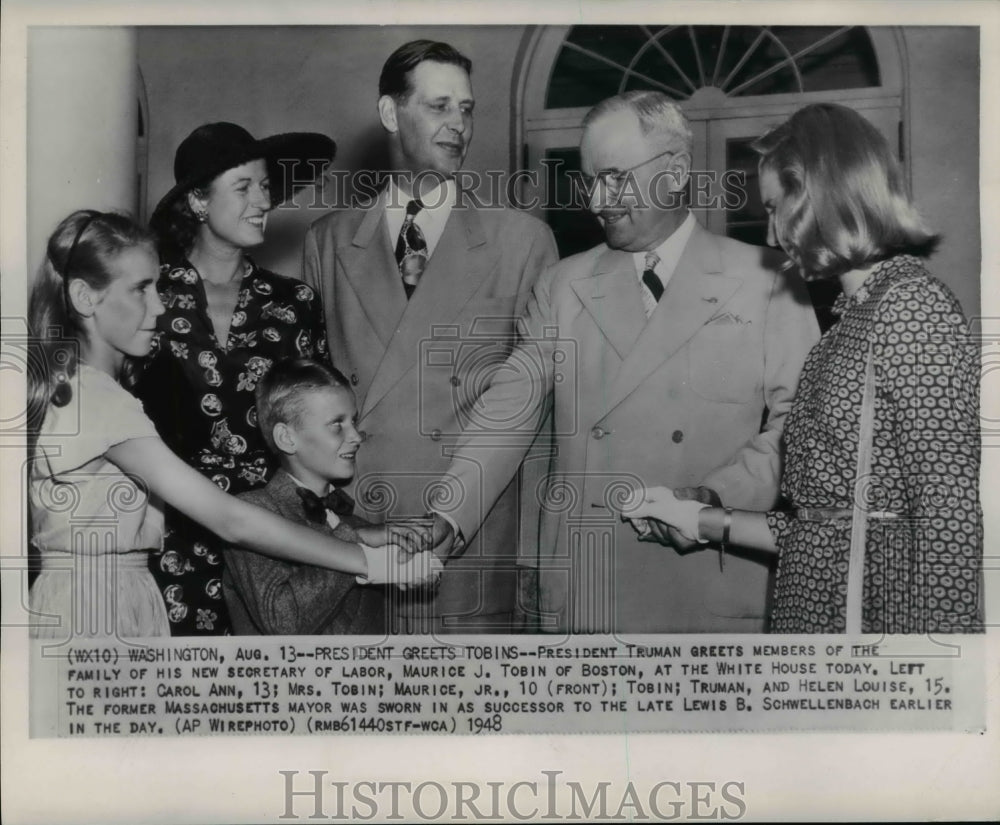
(686, 349)
(421, 289)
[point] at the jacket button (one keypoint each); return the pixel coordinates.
(436, 435)
(677, 436)
(455, 380)
(598, 433)
(354, 379)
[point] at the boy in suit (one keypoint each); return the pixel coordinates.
(307, 415)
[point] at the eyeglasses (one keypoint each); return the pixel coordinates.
(614, 179)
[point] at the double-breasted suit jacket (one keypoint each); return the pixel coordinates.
(268, 596)
(418, 366)
(695, 394)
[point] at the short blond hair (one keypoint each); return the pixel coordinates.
(847, 201)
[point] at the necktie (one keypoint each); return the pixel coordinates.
(315, 506)
(411, 249)
(653, 287)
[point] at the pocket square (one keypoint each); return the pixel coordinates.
(728, 318)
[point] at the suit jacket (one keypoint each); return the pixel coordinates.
(267, 596)
(677, 400)
(418, 367)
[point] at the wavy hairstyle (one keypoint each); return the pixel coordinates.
(845, 204)
(395, 77)
(83, 246)
(175, 225)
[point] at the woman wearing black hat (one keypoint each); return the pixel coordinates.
(226, 321)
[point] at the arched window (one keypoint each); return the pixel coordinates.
(687, 62)
(734, 82)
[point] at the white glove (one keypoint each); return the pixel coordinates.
(386, 567)
(661, 503)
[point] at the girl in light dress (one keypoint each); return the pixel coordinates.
(99, 469)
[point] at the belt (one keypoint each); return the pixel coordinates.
(837, 514)
(62, 560)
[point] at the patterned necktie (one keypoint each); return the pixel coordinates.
(411, 249)
(315, 506)
(652, 286)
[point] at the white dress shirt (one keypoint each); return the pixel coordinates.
(669, 253)
(438, 203)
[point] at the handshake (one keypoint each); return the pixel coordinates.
(401, 555)
(667, 516)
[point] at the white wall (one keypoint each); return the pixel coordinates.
(81, 126)
(943, 66)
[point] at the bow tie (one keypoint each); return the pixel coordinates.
(316, 506)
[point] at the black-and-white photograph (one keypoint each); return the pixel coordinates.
(579, 378)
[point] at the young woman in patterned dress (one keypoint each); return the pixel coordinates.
(837, 205)
(226, 321)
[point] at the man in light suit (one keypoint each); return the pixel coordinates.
(686, 349)
(420, 290)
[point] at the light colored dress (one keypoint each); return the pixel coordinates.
(93, 525)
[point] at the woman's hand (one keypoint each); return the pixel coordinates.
(389, 564)
(374, 536)
(661, 504)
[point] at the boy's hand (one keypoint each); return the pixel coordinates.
(412, 536)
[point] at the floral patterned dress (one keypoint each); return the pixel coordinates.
(923, 568)
(200, 395)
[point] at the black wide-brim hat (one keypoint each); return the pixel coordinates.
(293, 159)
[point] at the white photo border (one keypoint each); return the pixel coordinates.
(841, 776)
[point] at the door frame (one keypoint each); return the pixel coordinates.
(536, 129)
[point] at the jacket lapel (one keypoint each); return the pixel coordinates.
(461, 261)
(370, 266)
(697, 291)
(611, 295)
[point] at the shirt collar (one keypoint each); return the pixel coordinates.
(669, 251)
(880, 272)
(441, 197)
(438, 203)
(300, 484)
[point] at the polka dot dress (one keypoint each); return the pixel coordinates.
(923, 569)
